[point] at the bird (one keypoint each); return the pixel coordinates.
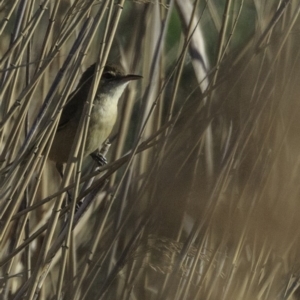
(103, 115)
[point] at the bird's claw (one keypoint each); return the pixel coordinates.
(99, 159)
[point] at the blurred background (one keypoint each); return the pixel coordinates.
(200, 196)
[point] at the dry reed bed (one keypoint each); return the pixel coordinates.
(200, 198)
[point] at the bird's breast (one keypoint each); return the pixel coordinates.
(102, 121)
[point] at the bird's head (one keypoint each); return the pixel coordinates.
(113, 80)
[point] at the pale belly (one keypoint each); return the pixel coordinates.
(100, 126)
(97, 134)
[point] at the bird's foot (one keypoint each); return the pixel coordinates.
(99, 159)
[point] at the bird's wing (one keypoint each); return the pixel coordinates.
(76, 99)
(68, 112)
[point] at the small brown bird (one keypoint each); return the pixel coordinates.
(103, 115)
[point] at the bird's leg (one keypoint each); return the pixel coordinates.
(60, 168)
(99, 156)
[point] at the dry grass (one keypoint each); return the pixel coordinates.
(200, 199)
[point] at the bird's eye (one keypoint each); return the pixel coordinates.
(108, 75)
